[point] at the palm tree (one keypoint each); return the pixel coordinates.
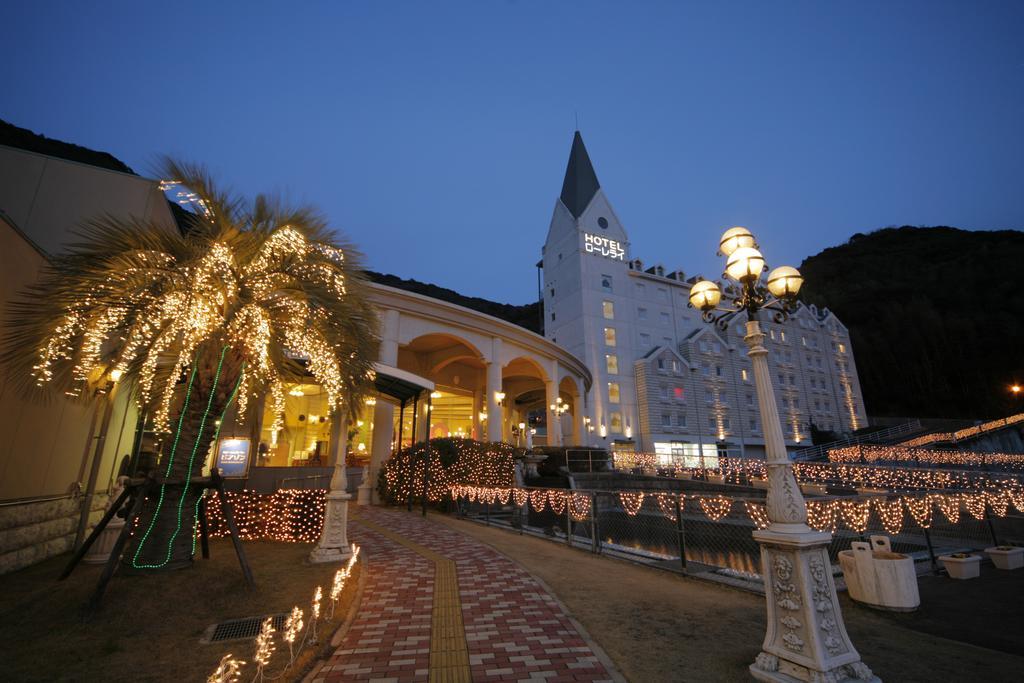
(245, 298)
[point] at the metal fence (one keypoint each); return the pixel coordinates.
(682, 536)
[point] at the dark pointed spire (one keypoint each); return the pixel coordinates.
(580, 184)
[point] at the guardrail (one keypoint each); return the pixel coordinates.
(821, 450)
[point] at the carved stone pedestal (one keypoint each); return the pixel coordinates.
(365, 490)
(334, 545)
(806, 638)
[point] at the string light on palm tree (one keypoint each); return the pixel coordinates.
(805, 625)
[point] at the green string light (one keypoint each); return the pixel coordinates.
(170, 462)
(216, 435)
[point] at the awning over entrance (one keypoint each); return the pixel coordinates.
(399, 384)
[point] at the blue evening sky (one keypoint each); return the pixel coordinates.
(435, 134)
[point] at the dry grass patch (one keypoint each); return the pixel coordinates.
(149, 627)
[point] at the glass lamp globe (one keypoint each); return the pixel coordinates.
(734, 238)
(785, 281)
(705, 295)
(745, 263)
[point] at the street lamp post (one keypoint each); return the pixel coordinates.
(806, 638)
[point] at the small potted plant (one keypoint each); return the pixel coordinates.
(1006, 556)
(962, 565)
(716, 477)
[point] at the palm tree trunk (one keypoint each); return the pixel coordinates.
(165, 535)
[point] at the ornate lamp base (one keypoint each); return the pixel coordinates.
(333, 545)
(806, 638)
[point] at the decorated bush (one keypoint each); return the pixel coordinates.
(451, 461)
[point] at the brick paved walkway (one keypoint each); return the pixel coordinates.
(421, 621)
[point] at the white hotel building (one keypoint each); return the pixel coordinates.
(664, 380)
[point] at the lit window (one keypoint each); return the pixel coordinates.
(678, 392)
(616, 422)
(745, 375)
(609, 310)
(782, 335)
(611, 362)
(613, 392)
(842, 348)
(609, 336)
(606, 283)
(771, 333)
(803, 339)
(675, 366)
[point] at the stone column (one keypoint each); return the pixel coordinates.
(806, 638)
(333, 545)
(554, 419)
(495, 416)
(384, 412)
(478, 406)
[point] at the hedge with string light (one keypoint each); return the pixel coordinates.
(451, 462)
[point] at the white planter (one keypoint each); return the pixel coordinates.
(814, 489)
(880, 578)
(759, 483)
(962, 567)
(1006, 557)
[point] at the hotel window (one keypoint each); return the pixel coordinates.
(640, 290)
(675, 366)
(641, 313)
(611, 362)
(705, 369)
(782, 379)
(745, 375)
(606, 283)
(680, 419)
(664, 319)
(552, 316)
(708, 396)
(750, 399)
(842, 348)
(712, 425)
(613, 392)
(771, 333)
(717, 348)
(663, 392)
(680, 396)
(667, 341)
(796, 402)
(645, 340)
(753, 424)
(662, 293)
(719, 371)
(609, 310)
(661, 363)
(703, 346)
(666, 420)
(792, 380)
(552, 292)
(616, 422)
(725, 424)
(782, 335)
(609, 336)
(803, 339)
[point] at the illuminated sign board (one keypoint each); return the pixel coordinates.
(602, 246)
(233, 458)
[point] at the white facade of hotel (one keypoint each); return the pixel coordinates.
(664, 380)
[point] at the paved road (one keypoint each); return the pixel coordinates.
(440, 606)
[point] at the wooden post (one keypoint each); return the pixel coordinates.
(204, 529)
(218, 483)
(115, 554)
(84, 548)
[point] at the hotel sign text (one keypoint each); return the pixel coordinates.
(602, 246)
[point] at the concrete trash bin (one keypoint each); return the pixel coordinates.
(879, 577)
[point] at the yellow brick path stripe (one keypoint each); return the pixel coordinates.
(449, 653)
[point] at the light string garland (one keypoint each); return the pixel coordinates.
(953, 437)
(906, 453)
(227, 671)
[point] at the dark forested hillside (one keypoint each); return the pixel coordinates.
(526, 315)
(936, 316)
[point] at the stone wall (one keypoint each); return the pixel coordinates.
(35, 531)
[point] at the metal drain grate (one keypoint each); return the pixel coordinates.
(240, 629)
